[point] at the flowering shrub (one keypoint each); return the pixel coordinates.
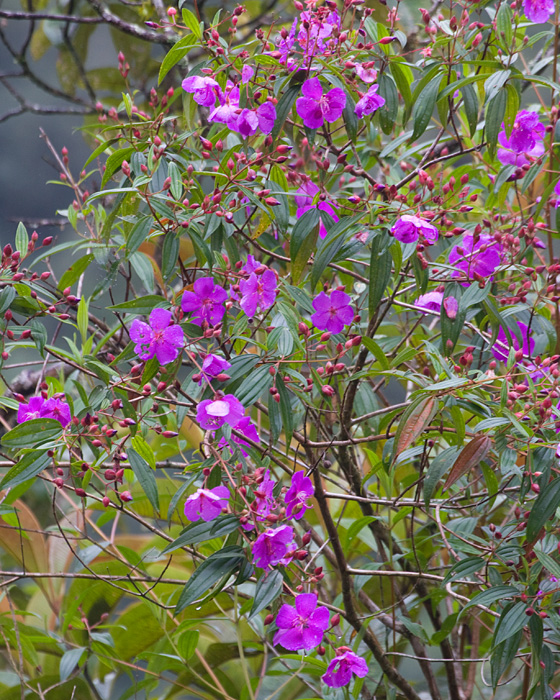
(296, 409)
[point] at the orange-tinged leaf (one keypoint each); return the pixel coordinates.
(413, 423)
(472, 454)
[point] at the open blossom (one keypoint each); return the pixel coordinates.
(524, 142)
(301, 627)
(274, 546)
(249, 121)
(206, 503)
(211, 415)
(203, 89)
(205, 302)
(314, 31)
(259, 291)
(332, 313)
(158, 338)
(38, 407)
(297, 495)
(246, 74)
(212, 366)
(480, 258)
(369, 74)
(538, 10)
(501, 347)
(369, 103)
(248, 429)
(314, 108)
(264, 500)
(432, 301)
(341, 668)
(226, 111)
(304, 201)
(408, 228)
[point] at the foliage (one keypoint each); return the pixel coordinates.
(293, 415)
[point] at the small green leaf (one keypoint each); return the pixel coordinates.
(176, 54)
(495, 112)
(269, 587)
(75, 270)
(543, 509)
(303, 240)
(26, 468)
(511, 621)
(491, 595)
(22, 239)
(142, 305)
(283, 108)
(379, 273)
(145, 476)
(114, 162)
(204, 531)
(424, 107)
(192, 23)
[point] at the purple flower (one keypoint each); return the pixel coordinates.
(211, 415)
(246, 74)
(274, 547)
(332, 313)
(31, 410)
(212, 367)
(369, 103)
(313, 33)
(408, 229)
(57, 409)
(538, 11)
(432, 301)
(368, 75)
(206, 503)
(157, 339)
(258, 291)
(226, 112)
(341, 668)
(246, 123)
(501, 347)
(248, 429)
(205, 302)
(297, 495)
(38, 407)
(314, 107)
(266, 114)
(264, 500)
(480, 258)
(202, 88)
(524, 142)
(301, 627)
(304, 201)
(286, 45)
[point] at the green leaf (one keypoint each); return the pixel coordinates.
(502, 656)
(114, 162)
(379, 273)
(169, 255)
(142, 305)
(26, 468)
(543, 509)
(138, 234)
(285, 410)
(82, 318)
(142, 447)
(303, 240)
(329, 246)
(145, 475)
(203, 531)
(438, 467)
(548, 562)
(388, 112)
(470, 102)
(269, 587)
(74, 271)
(188, 643)
(495, 112)
(463, 568)
(176, 54)
(350, 118)
(32, 432)
(22, 239)
(504, 25)
(424, 107)
(283, 108)
(491, 595)
(511, 621)
(253, 385)
(512, 105)
(7, 295)
(218, 566)
(376, 351)
(69, 660)
(192, 23)
(403, 77)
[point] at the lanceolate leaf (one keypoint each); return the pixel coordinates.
(145, 475)
(413, 423)
(269, 588)
(215, 568)
(32, 432)
(472, 454)
(543, 509)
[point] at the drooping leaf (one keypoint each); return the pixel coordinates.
(470, 456)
